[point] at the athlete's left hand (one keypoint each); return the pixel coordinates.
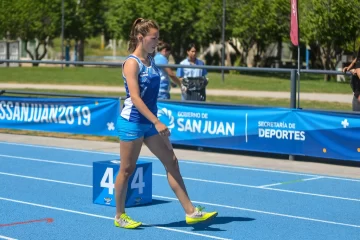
(162, 129)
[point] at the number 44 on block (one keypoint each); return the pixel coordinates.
(139, 189)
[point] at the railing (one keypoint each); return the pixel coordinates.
(294, 84)
(294, 89)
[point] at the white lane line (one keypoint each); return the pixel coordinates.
(183, 161)
(105, 217)
(290, 182)
(209, 181)
(197, 179)
(7, 238)
(265, 188)
(264, 212)
(46, 161)
(45, 179)
(210, 204)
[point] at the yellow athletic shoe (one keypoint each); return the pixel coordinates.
(126, 222)
(199, 216)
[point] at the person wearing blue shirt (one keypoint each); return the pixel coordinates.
(190, 72)
(166, 74)
(138, 124)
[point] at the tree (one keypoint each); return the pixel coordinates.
(279, 23)
(179, 21)
(251, 26)
(83, 19)
(209, 26)
(329, 26)
(2, 18)
(32, 19)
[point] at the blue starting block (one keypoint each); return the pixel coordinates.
(139, 189)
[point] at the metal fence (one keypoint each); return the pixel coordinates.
(294, 82)
(294, 77)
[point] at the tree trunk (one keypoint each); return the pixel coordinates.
(44, 52)
(27, 50)
(279, 53)
(325, 59)
(37, 54)
(177, 56)
(81, 52)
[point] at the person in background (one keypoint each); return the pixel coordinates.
(166, 74)
(190, 72)
(354, 69)
(354, 66)
(355, 86)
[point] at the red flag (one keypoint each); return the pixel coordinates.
(294, 30)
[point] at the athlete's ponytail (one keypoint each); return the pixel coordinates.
(140, 26)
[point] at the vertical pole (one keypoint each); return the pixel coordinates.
(307, 57)
(292, 97)
(223, 41)
(62, 32)
(293, 89)
(114, 49)
(298, 77)
(299, 63)
(7, 47)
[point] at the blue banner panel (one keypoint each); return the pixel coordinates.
(260, 129)
(69, 115)
(330, 135)
(231, 127)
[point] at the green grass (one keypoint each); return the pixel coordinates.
(55, 75)
(305, 104)
(112, 77)
(92, 47)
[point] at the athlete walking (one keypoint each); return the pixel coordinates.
(138, 124)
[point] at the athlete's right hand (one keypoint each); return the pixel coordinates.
(162, 129)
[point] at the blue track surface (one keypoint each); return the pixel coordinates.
(43, 182)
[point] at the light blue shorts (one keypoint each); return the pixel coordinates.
(130, 131)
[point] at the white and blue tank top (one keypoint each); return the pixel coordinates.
(149, 83)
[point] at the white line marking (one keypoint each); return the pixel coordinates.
(7, 238)
(249, 169)
(105, 217)
(175, 199)
(264, 212)
(209, 181)
(201, 180)
(47, 161)
(271, 189)
(310, 179)
(45, 179)
(59, 148)
(271, 185)
(290, 182)
(186, 161)
(313, 194)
